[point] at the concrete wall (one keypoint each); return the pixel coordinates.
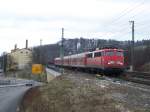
(51, 74)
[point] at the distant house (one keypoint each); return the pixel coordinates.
(19, 59)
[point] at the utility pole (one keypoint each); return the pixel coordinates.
(40, 42)
(132, 47)
(62, 50)
(40, 52)
(4, 62)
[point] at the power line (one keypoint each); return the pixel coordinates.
(143, 26)
(127, 12)
(138, 12)
(145, 20)
(121, 29)
(124, 13)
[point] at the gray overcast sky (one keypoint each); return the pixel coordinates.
(43, 19)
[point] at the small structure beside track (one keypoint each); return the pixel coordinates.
(51, 74)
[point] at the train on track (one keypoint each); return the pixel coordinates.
(107, 60)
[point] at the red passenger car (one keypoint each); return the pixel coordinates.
(104, 59)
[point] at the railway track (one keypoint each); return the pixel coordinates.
(136, 77)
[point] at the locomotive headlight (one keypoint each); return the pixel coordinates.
(120, 63)
(111, 62)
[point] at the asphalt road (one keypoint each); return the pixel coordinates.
(12, 91)
(10, 98)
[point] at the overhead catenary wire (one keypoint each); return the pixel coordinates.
(142, 25)
(127, 12)
(131, 10)
(124, 30)
(125, 27)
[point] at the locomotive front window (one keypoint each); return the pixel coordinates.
(110, 53)
(119, 53)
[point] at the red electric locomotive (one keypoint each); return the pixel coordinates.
(107, 60)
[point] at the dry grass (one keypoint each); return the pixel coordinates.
(145, 67)
(78, 94)
(62, 95)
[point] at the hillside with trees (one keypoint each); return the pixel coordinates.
(45, 54)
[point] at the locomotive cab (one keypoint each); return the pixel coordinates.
(113, 59)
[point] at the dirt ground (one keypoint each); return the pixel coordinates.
(83, 93)
(145, 68)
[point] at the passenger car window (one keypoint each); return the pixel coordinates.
(89, 55)
(97, 54)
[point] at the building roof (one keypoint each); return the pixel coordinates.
(14, 50)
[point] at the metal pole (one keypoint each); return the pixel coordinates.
(132, 47)
(4, 63)
(62, 51)
(40, 42)
(40, 55)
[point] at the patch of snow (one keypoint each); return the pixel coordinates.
(122, 109)
(102, 86)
